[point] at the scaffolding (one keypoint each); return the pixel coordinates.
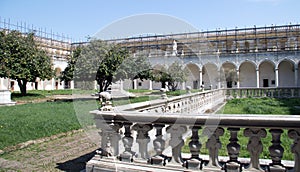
(232, 41)
(58, 46)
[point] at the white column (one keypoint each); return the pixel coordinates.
(200, 79)
(296, 77)
(72, 85)
(219, 79)
(150, 85)
(1, 83)
(134, 84)
(63, 84)
(238, 78)
(42, 85)
(183, 86)
(276, 78)
(95, 85)
(257, 78)
(53, 84)
(121, 85)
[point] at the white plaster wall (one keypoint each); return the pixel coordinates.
(266, 71)
(193, 75)
(286, 74)
(247, 75)
(210, 76)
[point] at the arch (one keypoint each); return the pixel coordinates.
(267, 74)
(210, 75)
(286, 59)
(193, 79)
(228, 74)
(247, 76)
(57, 72)
(286, 73)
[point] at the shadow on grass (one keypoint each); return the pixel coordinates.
(76, 165)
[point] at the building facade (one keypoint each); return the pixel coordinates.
(247, 57)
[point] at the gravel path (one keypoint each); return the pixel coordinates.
(68, 153)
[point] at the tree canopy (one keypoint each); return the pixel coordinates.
(174, 75)
(22, 59)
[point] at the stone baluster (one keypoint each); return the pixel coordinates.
(110, 138)
(159, 147)
(255, 147)
(143, 138)
(195, 162)
(128, 154)
(276, 151)
(213, 145)
(233, 149)
(295, 135)
(176, 141)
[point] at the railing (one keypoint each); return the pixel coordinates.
(284, 92)
(122, 131)
(155, 126)
(189, 103)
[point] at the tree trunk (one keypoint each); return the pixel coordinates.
(22, 84)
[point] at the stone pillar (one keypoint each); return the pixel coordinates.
(150, 85)
(295, 135)
(63, 85)
(233, 149)
(2, 84)
(128, 154)
(183, 86)
(121, 84)
(255, 147)
(142, 139)
(238, 78)
(276, 151)
(42, 85)
(134, 84)
(200, 78)
(159, 147)
(219, 79)
(213, 145)
(296, 77)
(276, 78)
(72, 85)
(257, 78)
(52, 84)
(195, 162)
(176, 142)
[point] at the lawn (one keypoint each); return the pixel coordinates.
(21, 123)
(31, 121)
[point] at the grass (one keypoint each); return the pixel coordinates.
(41, 94)
(181, 92)
(262, 106)
(25, 122)
(32, 121)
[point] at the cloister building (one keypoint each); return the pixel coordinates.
(247, 57)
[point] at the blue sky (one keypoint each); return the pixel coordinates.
(80, 19)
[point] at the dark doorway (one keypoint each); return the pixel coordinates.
(195, 84)
(265, 83)
(229, 84)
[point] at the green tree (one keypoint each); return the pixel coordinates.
(68, 74)
(174, 75)
(134, 67)
(21, 59)
(99, 61)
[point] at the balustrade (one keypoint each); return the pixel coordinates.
(169, 130)
(263, 92)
